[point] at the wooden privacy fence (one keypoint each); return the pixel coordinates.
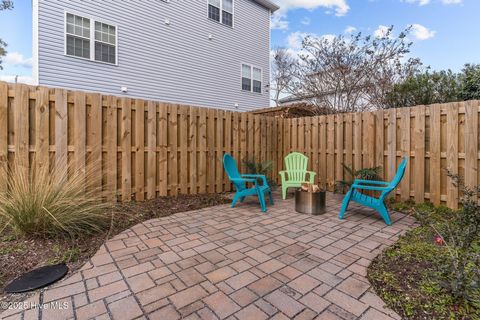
(149, 149)
(435, 138)
(146, 149)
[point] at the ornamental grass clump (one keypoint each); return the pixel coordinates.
(40, 203)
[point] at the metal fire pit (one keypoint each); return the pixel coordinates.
(310, 202)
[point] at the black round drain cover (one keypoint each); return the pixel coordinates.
(37, 278)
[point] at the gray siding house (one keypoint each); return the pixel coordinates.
(211, 53)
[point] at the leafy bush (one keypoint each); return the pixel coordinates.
(459, 231)
(41, 203)
(260, 167)
(364, 174)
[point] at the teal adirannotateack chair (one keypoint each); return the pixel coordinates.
(240, 182)
(375, 203)
(296, 173)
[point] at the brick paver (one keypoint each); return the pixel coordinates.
(229, 263)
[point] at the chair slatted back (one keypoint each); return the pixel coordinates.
(296, 165)
(397, 178)
(231, 169)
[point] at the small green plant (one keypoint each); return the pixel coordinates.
(260, 167)
(48, 204)
(459, 232)
(70, 255)
(373, 173)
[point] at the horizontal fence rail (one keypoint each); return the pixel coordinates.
(149, 149)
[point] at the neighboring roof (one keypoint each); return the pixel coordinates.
(268, 4)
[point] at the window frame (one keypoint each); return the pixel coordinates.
(251, 79)
(92, 37)
(221, 10)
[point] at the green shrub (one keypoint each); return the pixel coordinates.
(260, 167)
(364, 174)
(40, 203)
(459, 231)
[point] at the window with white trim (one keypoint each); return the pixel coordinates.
(90, 39)
(251, 78)
(221, 11)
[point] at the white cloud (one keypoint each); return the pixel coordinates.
(422, 33)
(20, 79)
(451, 1)
(339, 6)
(381, 31)
(18, 60)
(350, 29)
(279, 18)
(279, 22)
(419, 2)
(295, 39)
(306, 21)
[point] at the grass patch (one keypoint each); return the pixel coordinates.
(413, 277)
(39, 203)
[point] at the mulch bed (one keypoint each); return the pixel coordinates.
(18, 256)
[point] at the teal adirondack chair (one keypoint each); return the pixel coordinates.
(296, 172)
(240, 183)
(378, 204)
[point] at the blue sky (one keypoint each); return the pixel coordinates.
(445, 31)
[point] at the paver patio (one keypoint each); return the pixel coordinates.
(231, 264)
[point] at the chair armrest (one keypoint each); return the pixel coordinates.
(364, 187)
(358, 181)
(256, 176)
(244, 180)
(312, 173)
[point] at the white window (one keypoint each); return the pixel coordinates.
(251, 78)
(221, 11)
(90, 39)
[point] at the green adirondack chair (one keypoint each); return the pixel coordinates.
(296, 172)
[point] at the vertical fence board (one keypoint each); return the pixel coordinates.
(126, 143)
(219, 151)
(183, 125)
(471, 144)
(95, 138)
(392, 143)
(323, 153)
(162, 141)
(192, 142)
(379, 141)
(42, 124)
(339, 141)
(330, 152)
(80, 131)
(112, 149)
(202, 161)
(139, 150)
(349, 140)
(152, 149)
(61, 129)
(228, 147)
(405, 146)
(3, 132)
(452, 153)
(357, 137)
(211, 150)
(369, 138)
(173, 148)
(315, 147)
(435, 154)
(419, 141)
